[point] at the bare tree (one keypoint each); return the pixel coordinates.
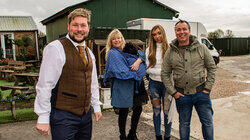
(229, 34)
(41, 34)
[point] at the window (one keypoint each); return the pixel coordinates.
(6, 44)
(208, 44)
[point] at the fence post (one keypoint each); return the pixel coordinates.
(231, 47)
(228, 47)
(248, 46)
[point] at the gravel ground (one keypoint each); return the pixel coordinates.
(230, 76)
(230, 79)
(226, 84)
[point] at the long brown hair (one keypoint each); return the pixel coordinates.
(152, 45)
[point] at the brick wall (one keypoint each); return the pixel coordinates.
(30, 49)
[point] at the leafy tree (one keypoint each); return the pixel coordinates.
(25, 41)
(18, 42)
(212, 35)
(216, 34)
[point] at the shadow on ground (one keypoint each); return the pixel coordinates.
(105, 129)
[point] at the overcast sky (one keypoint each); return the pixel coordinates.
(214, 14)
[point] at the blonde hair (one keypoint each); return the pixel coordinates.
(79, 12)
(152, 45)
(111, 36)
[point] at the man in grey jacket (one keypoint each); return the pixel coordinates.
(187, 60)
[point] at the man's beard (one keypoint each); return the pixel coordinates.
(77, 41)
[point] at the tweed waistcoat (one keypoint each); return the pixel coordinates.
(73, 90)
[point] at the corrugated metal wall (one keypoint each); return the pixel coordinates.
(232, 46)
(102, 33)
(57, 28)
(112, 13)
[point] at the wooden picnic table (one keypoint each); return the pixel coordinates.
(17, 66)
(35, 63)
(4, 74)
(13, 67)
(27, 79)
(32, 61)
(30, 74)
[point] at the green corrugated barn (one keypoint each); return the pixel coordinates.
(108, 13)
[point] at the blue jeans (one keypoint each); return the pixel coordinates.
(157, 91)
(202, 103)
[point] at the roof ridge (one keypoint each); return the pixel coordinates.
(14, 16)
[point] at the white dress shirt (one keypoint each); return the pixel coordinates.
(155, 72)
(51, 68)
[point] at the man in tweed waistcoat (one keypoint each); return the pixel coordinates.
(68, 84)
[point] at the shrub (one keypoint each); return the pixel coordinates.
(5, 61)
(18, 97)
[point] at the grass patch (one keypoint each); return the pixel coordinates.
(6, 92)
(26, 114)
(4, 82)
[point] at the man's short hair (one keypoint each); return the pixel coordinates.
(80, 12)
(182, 21)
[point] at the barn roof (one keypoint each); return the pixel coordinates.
(67, 9)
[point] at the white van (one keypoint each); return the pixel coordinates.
(197, 29)
(212, 49)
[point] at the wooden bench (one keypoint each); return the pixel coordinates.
(24, 89)
(17, 66)
(5, 74)
(12, 68)
(29, 91)
(4, 67)
(32, 65)
(7, 87)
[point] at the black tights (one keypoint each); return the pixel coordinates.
(123, 114)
